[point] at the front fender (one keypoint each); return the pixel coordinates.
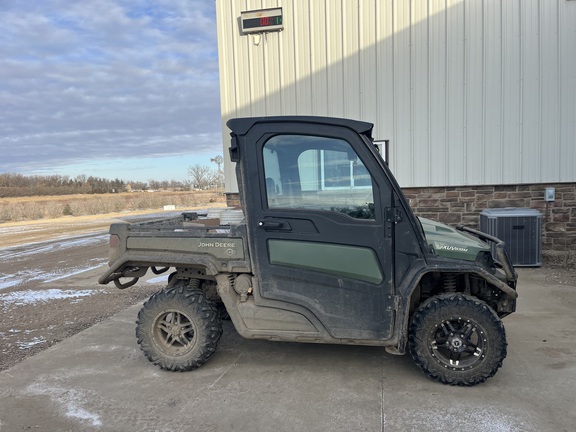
(419, 269)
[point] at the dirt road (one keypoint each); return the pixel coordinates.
(49, 289)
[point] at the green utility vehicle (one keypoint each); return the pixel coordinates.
(328, 251)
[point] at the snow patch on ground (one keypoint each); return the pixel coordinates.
(71, 401)
(20, 298)
(20, 278)
(48, 246)
(73, 273)
(7, 281)
(24, 345)
(158, 279)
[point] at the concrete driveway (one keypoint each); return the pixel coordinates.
(99, 381)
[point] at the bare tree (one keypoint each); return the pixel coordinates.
(217, 179)
(187, 184)
(154, 184)
(201, 175)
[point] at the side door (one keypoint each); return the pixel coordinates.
(316, 202)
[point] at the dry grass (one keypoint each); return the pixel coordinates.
(48, 207)
(560, 259)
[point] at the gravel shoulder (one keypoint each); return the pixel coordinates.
(48, 282)
(24, 232)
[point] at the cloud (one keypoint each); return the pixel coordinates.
(106, 80)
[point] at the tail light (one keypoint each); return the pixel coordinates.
(114, 248)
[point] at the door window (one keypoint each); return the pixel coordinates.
(319, 173)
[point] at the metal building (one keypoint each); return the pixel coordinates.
(469, 92)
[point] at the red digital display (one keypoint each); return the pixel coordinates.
(263, 20)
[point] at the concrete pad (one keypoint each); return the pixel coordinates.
(98, 380)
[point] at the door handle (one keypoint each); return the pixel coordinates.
(274, 225)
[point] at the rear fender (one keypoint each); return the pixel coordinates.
(134, 265)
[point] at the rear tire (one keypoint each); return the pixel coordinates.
(178, 329)
(457, 339)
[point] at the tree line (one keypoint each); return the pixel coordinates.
(18, 185)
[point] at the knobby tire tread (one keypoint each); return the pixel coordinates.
(431, 312)
(194, 303)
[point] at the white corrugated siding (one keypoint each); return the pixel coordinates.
(469, 92)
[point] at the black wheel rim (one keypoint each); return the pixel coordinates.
(174, 333)
(458, 343)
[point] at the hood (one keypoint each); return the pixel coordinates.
(450, 243)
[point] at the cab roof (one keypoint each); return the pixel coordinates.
(241, 125)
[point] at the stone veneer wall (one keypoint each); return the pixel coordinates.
(233, 200)
(462, 205)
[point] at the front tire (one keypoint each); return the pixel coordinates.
(178, 329)
(457, 339)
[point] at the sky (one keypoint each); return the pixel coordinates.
(122, 89)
